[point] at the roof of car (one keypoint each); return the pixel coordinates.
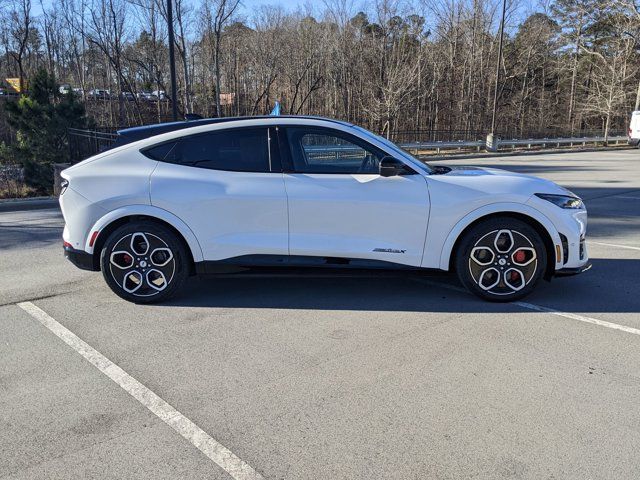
(128, 135)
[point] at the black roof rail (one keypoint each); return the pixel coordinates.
(133, 134)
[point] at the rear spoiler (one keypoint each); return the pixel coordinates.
(133, 134)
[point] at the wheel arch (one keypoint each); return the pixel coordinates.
(532, 217)
(115, 219)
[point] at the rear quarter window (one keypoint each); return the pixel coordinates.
(160, 152)
(234, 150)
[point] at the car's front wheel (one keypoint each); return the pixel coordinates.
(144, 262)
(501, 259)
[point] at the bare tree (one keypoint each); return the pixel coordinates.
(611, 52)
(107, 31)
(217, 15)
(398, 65)
(20, 28)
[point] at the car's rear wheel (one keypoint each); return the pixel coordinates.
(144, 262)
(501, 259)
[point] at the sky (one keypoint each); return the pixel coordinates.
(246, 5)
(520, 9)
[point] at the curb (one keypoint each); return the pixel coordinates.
(36, 203)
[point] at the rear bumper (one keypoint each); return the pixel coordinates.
(80, 259)
(566, 272)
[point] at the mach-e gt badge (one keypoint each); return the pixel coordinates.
(388, 250)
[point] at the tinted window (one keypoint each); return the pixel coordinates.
(240, 150)
(327, 151)
(159, 152)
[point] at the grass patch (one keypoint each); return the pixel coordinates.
(16, 189)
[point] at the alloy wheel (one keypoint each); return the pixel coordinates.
(503, 262)
(142, 264)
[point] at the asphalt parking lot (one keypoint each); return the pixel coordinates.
(330, 377)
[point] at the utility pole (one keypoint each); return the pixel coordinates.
(172, 61)
(495, 90)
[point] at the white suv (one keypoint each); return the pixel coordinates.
(173, 200)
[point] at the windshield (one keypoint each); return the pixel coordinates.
(395, 148)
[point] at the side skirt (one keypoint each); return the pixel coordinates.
(245, 262)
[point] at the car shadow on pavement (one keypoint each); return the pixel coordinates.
(610, 286)
(33, 229)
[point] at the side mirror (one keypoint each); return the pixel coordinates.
(390, 167)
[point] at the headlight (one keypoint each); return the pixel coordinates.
(563, 201)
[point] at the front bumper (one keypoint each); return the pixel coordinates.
(567, 272)
(79, 258)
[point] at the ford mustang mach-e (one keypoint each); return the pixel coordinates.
(178, 199)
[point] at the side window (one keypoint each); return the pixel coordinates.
(236, 150)
(328, 151)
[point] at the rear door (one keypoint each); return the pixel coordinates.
(227, 186)
(340, 206)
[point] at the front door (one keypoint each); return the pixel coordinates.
(340, 206)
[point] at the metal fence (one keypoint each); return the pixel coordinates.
(85, 143)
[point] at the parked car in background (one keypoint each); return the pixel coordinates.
(149, 96)
(128, 96)
(172, 200)
(159, 94)
(4, 92)
(99, 94)
(634, 129)
(64, 89)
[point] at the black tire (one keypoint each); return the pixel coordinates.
(144, 277)
(514, 270)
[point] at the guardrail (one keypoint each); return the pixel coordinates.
(560, 141)
(417, 147)
(437, 146)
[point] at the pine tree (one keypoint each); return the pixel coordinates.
(41, 119)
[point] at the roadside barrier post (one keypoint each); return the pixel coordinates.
(492, 143)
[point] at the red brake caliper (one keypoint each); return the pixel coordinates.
(519, 256)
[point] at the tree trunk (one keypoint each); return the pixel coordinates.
(574, 74)
(216, 67)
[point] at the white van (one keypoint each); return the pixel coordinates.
(634, 129)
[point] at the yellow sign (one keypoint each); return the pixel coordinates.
(14, 83)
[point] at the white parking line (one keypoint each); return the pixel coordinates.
(538, 308)
(216, 452)
(628, 247)
(581, 318)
